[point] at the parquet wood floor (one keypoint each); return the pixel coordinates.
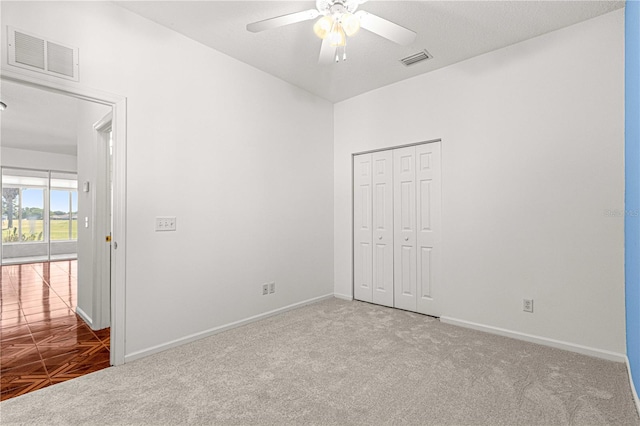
(42, 340)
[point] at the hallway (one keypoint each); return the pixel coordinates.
(42, 340)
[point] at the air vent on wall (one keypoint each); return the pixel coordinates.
(418, 57)
(36, 53)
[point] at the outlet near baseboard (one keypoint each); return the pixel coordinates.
(527, 305)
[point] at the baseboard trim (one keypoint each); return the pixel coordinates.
(633, 386)
(201, 335)
(584, 350)
(343, 296)
(86, 318)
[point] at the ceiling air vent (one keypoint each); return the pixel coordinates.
(418, 57)
(36, 53)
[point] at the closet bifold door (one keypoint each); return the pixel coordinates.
(429, 215)
(383, 227)
(362, 228)
(404, 217)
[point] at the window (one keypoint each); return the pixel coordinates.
(63, 215)
(23, 206)
(39, 215)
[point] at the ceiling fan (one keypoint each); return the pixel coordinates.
(338, 20)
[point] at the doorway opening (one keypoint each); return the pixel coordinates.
(108, 306)
(55, 274)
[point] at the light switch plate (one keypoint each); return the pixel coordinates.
(165, 223)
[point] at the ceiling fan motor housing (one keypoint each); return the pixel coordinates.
(336, 7)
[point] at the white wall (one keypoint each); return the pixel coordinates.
(532, 152)
(88, 114)
(242, 159)
(14, 157)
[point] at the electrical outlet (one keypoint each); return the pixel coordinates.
(527, 305)
(166, 223)
(265, 289)
(272, 287)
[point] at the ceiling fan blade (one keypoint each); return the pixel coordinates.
(327, 52)
(386, 29)
(281, 21)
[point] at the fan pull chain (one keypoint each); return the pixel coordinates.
(344, 54)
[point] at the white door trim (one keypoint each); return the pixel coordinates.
(371, 151)
(118, 264)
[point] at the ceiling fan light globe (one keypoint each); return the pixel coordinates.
(350, 23)
(323, 26)
(337, 37)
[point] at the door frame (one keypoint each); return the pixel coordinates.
(118, 247)
(353, 241)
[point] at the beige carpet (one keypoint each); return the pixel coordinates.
(342, 363)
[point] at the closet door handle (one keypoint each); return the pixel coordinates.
(406, 238)
(380, 237)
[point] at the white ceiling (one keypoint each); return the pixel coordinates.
(451, 31)
(38, 120)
